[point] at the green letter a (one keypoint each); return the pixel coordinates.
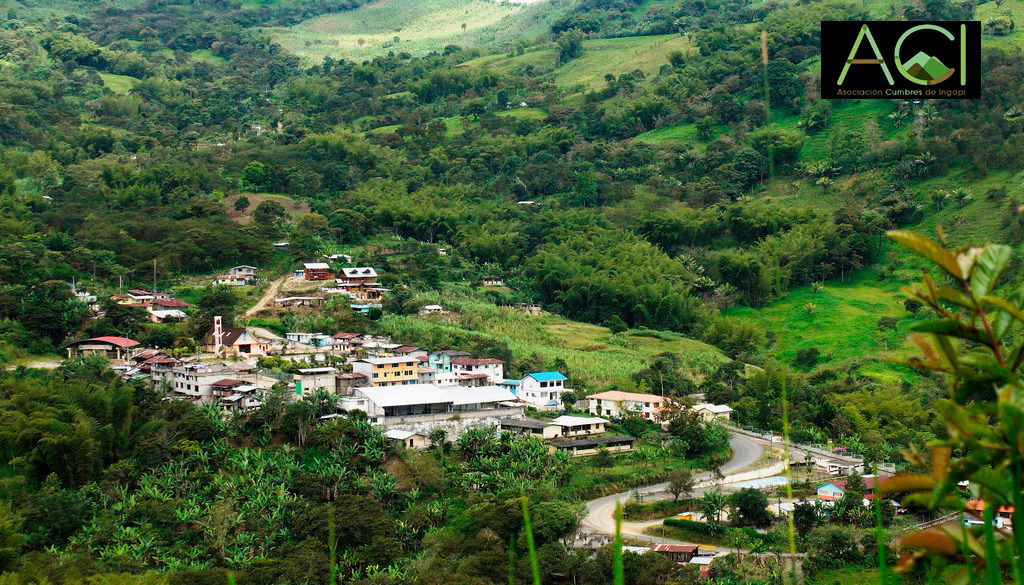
(851, 60)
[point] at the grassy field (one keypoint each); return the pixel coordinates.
(524, 114)
(988, 10)
(206, 56)
(978, 222)
(420, 26)
(847, 114)
(117, 83)
(681, 134)
(593, 355)
(293, 207)
(645, 466)
(453, 127)
(844, 324)
(599, 58)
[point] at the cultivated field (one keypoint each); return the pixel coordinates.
(591, 352)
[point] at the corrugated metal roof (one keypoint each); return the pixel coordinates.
(547, 376)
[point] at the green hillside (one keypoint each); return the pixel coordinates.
(594, 356)
(599, 57)
(420, 26)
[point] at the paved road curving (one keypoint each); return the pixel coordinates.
(601, 512)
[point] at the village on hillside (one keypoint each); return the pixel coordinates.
(419, 395)
(409, 390)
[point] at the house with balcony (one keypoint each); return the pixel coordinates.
(441, 360)
(347, 343)
(493, 369)
(204, 383)
(709, 412)
(238, 276)
(360, 284)
(388, 371)
(617, 404)
(317, 271)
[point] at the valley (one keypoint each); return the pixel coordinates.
(473, 292)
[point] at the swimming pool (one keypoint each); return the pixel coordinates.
(764, 482)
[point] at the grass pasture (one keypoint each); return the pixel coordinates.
(121, 84)
(843, 326)
(420, 26)
(681, 134)
(524, 114)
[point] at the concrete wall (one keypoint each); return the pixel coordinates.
(452, 424)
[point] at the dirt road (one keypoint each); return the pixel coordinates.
(268, 297)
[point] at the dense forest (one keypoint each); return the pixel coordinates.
(152, 143)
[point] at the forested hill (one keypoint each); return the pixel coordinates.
(129, 130)
(616, 162)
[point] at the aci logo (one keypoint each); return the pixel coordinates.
(896, 59)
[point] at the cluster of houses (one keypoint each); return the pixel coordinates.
(408, 389)
(162, 307)
(359, 283)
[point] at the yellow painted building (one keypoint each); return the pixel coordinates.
(388, 371)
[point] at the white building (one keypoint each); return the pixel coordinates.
(204, 382)
(493, 368)
(543, 389)
(313, 339)
(431, 399)
(573, 426)
(309, 380)
(709, 412)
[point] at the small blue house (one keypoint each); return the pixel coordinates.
(510, 385)
(830, 492)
